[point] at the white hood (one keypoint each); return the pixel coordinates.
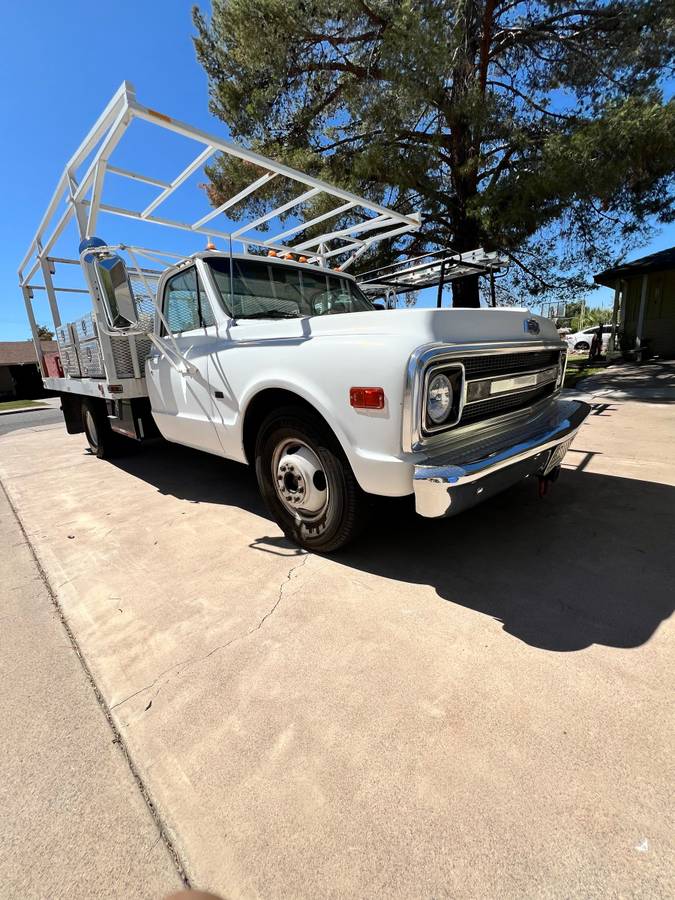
(448, 326)
(416, 326)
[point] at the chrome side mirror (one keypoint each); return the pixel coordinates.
(116, 291)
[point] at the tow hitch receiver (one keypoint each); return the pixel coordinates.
(545, 481)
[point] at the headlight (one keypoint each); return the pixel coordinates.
(440, 397)
(443, 397)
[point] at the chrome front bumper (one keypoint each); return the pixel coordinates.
(458, 478)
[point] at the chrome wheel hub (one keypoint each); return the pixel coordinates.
(299, 479)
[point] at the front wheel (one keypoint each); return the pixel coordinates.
(582, 346)
(306, 481)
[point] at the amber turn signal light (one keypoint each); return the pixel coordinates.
(367, 397)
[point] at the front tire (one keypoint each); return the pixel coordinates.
(307, 482)
(582, 346)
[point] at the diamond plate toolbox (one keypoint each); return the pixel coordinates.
(70, 361)
(85, 328)
(90, 359)
(64, 335)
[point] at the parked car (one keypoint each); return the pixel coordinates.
(581, 340)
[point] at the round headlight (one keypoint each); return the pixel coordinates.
(439, 399)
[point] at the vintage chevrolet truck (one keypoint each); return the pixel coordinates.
(273, 358)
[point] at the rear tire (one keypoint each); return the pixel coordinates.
(306, 481)
(102, 440)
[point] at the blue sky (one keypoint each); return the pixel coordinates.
(55, 84)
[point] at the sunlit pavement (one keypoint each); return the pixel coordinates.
(468, 708)
(74, 822)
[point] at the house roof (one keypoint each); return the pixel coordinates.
(655, 262)
(18, 353)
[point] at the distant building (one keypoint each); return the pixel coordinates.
(644, 304)
(20, 377)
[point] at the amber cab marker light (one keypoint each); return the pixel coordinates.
(367, 397)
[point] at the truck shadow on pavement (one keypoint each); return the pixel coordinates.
(590, 564)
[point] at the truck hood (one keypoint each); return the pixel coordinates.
(414, 326)
(446, 326)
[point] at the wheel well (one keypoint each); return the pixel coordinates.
(261, 405)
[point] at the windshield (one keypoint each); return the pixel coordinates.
(262, 290)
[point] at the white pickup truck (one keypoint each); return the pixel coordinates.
(282, 362)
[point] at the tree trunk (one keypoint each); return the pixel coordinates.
(469, 73)
(465, 292)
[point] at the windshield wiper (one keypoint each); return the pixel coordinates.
(271, 314)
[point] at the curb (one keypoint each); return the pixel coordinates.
(22, 409)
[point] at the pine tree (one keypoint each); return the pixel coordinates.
(538, 128)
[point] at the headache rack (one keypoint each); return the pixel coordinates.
(97, 354)
(434, 269)
(92, 354)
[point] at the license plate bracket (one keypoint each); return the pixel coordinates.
(557, 455)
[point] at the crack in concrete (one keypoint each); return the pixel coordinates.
(283, 584)
(191, 661)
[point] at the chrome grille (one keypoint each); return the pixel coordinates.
(508, 363)
(494, 384)
(478, 412)
(502, 365)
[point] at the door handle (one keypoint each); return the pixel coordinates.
(219, 395)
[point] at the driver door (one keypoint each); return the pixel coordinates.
(181, 401)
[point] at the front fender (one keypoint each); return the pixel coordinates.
(364, 435)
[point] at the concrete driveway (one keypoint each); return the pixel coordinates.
(647, 382)
(469, 708)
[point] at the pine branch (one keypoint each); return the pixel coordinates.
(524, 97)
